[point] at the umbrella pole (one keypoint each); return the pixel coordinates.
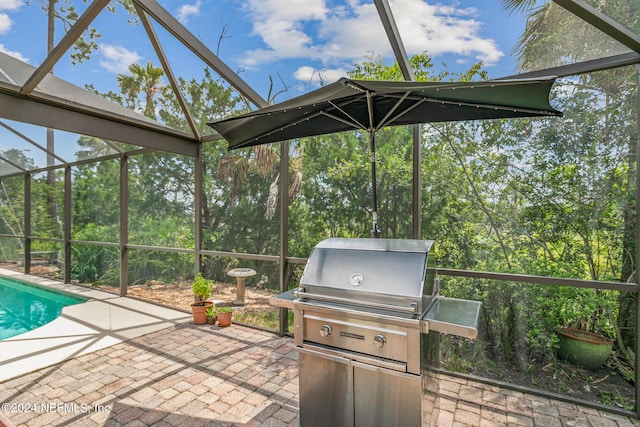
(375, 231)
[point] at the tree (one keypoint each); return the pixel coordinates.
(554, 37)
(12, 197)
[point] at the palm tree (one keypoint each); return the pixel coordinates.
(553, 36)
(145, 81)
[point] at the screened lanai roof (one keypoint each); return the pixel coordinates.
(61, 105)
(31, 97)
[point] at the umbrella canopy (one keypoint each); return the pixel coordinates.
(370, 105)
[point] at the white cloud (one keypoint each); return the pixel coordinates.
(5, 23)
(13, 53)
(339, 36)
(316, 77)
(442, 29)
(10, 4)
(280, 24)
(187, 10)
(117, 59)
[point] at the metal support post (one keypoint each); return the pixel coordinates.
(124, 224)
(66, 233)
(284, 230)
(197, 211)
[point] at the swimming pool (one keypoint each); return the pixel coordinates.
(25, 307)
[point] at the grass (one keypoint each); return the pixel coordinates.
(262, 319)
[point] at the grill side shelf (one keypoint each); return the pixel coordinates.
(283, 300)
(452, 316)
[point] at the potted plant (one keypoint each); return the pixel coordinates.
(583, 348)
(224, 315)
(582, 327)
(210, 314)
(201, 289)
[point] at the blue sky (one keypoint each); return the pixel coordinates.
(295, 42)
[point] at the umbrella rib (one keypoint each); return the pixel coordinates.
(382, 122)
(355, 124)
(371, 128)
(421, 100)
(402, 113)
(339, 108)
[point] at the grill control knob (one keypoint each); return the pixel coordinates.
(325, 330)
(379, 340)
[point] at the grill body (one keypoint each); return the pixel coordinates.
(365, 348)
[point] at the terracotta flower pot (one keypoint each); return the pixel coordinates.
(199, 316)
(583, 348)
(224, 319)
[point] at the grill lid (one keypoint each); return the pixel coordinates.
(357, 267)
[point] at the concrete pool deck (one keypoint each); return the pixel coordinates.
(104, 320)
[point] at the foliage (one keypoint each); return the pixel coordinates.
(210, 312)
(201, 288)
(12, 206)
(95, 264)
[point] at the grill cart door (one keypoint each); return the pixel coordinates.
(327, 384)
(385, 397)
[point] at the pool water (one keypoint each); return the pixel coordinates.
(24, 307)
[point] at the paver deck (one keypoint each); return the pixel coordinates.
(103, 320)
(201, 375)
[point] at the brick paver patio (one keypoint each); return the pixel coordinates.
(191, 375)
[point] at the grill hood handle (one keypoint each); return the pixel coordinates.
(301, 293)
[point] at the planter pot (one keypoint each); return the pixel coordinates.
(211, 320)
(224, 319)
(583, 348)
(199, 316)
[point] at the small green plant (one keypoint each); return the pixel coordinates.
(201, 288)
(606, 397)
(210, 312)
(224, 309)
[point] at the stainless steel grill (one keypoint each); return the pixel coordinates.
(366, 321)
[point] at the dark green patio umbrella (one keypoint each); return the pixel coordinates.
(370, 105)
